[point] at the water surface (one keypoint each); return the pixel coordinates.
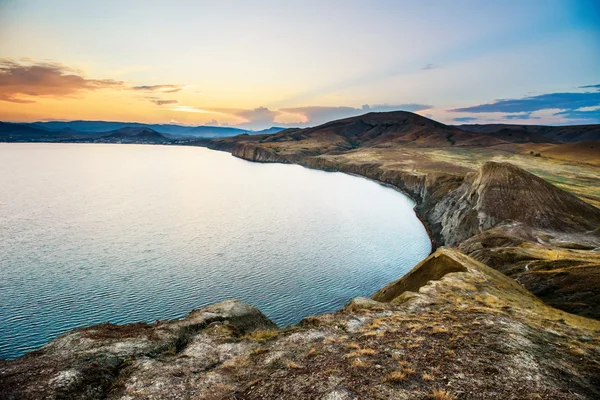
(91, 233)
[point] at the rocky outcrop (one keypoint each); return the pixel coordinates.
(452, 327)
(90, 363)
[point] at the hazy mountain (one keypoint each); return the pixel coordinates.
(142, 134)
(108, 126)
(25, 132)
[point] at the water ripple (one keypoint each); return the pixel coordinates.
(97, 233)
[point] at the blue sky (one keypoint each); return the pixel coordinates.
(262, 63)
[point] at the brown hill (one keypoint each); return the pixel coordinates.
(564, 134)
(385, 129)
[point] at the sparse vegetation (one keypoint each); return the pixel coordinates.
(361, 352)
(439, 329)
(261, 335)
(358, 363)
(427, 377)
(441, 394)
(396, 377)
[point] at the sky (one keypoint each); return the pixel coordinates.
(256, 64)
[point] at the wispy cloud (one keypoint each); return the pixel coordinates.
(524, 116)
(565, 101)
(160, 102)
(22, 81)
(590, 87)
(158, 88)
(193, 109)
(588, 115)
(465, 119)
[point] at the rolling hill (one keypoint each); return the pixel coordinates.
(564, 134)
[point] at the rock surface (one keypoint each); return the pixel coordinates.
(88, 363)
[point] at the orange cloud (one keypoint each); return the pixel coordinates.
(21, 81)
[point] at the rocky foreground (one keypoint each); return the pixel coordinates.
(508, 310)
(451, 329)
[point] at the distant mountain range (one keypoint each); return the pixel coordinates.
(373, 129)
(81, 130)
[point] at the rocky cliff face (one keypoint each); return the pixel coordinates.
(256, 153)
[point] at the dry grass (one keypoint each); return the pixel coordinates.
(235, 363)
(374, 334)
(427, 377)
(292, 365)
(361, 352)
(441, 394)
(259, 351)
(312, 352)
(261, 335)
(358, 363)
(396, 377)
(439, 329)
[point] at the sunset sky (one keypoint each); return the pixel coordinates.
(257, 64)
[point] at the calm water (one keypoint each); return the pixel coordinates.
(92, 233)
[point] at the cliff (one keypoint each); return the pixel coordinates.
(256, 153)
